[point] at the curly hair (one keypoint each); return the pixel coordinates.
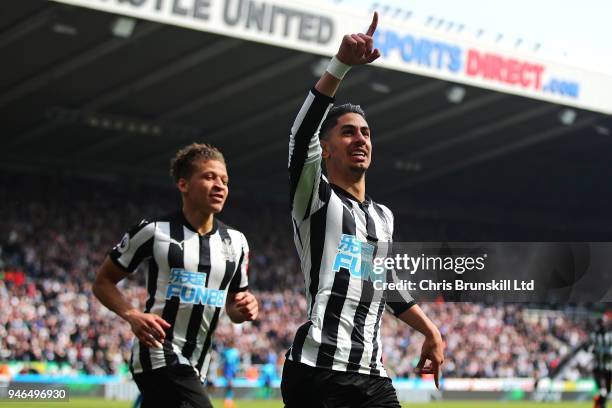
(182, 165)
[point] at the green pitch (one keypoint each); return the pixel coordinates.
(100, 403)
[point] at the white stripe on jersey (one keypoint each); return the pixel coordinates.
(160, 254)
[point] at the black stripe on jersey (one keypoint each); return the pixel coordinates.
(151, 284)
(395, 300)
(306, 129)
(234, 285)
(324, 190)
(230, 266)
(382, 215)
(211, 329)
(175, 260)
(145, 356)
(298, 342)
(144, 353)
(370, 224)
(331, 318)
(143, 251)
(131, 364)
(136, 228)
(197, 312)
(373, 361)
(363, 308)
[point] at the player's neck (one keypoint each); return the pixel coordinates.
(354, 185)
(201, 221)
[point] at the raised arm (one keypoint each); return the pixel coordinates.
(304, 148)
(355, 49)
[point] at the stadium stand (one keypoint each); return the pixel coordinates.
(55, 231)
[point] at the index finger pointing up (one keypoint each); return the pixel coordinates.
(373, 25)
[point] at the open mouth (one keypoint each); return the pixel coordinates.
(359, 155)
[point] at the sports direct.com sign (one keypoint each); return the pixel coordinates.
(491, 69)
(317, 26)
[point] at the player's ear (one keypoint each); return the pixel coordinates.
(325, 148)
(182, 185)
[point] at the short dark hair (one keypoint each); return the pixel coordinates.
(334, 113)
(182, 166)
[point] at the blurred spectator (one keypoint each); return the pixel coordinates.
(55, 232)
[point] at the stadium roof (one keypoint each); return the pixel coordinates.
(78, 97)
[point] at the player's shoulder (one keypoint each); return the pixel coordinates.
(383, 211)
(148, 223)
(234, 233)
(142, 224)
(152, 219)
(140, 231)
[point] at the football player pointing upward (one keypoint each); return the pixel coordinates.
(335, 359)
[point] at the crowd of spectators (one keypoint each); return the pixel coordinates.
(55, 232)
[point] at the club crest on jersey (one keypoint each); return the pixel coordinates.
(357, 257)
(190, 287)
(227, 249)
(386, 230)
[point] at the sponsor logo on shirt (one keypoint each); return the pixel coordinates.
(190, 287)
(357, 257)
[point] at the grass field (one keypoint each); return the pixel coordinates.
(100, 403)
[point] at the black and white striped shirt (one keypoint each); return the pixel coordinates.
(188, 277)
(336, 237)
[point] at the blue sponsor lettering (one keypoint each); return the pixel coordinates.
(444, 56)
(201, 296)
(346, 261)
(187, 294)
(189, 287)
(420, 51)
(356, 257)
(562, 87)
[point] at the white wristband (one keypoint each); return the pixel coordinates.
(337, 68)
